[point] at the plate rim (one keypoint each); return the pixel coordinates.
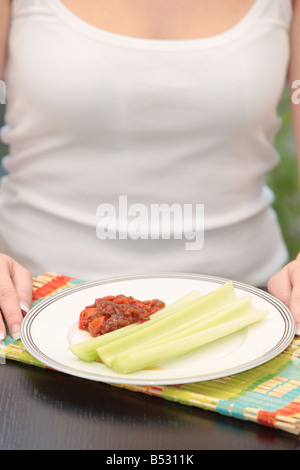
(286, 338)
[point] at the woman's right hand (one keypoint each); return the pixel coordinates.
(15, 295)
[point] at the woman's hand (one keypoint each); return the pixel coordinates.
(15, 295)
(285, 285)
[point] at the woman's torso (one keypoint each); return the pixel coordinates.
(94, 115)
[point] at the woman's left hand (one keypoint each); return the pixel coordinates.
(285, 285)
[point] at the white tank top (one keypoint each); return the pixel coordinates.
(93, 115)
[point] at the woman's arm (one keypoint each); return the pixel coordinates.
(294, 75)
(285, 285)
(15, 281)
(4, 29)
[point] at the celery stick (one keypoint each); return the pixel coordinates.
(86, 350)
(237, 309)
(198, 309)
(135, 361)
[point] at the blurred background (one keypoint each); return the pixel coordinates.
(283, 179)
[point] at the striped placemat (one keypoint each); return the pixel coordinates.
(268, 395)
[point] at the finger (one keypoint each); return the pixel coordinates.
(22, 281)
(9, 304)
(2, 328)
(294, 304)
(280, 286)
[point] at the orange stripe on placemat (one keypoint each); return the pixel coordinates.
(50, 287)
(270, 418)
(267, 418)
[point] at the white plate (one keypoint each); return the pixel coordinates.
(52, 326)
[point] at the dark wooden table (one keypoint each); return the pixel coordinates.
(44, 409)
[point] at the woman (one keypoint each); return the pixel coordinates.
(155, 101)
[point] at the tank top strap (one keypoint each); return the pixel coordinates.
(279, 10)
(21, 7)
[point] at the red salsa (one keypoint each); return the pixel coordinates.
(113, 312)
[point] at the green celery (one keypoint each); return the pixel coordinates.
(169, 350)
(87, 350)
(238, 308)
(194, 311)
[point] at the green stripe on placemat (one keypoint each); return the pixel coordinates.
(268, 395)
